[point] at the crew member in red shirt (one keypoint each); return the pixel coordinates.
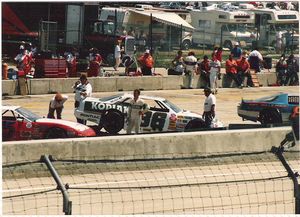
(231, 70)
(146, 62)
(95, 63)
(23, 61)
(243, 69)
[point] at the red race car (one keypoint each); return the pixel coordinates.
(21, 124)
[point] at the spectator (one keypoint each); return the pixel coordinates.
(136, 110)
(178, 64)
(23, 61)
(190, 67)
(215, 67)
(82, 89)
(57, 104)
(204, 70)
(255, 59)
(236, 51)
(131, 32)
(219, 54)
(117, 55)
(281, 70)
(231, 70)
(95, 63)
(146, 63)
(209, 107)
(292, 70)
(71, 63)
(243, 69)
(279, 41)
(214, 51)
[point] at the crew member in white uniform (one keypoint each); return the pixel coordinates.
(136, 110)
(209, 107)
(82, 89)
(190, 68)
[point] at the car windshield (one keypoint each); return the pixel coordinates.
(172, 106)
(267, 99)
(27, 114)
(109, 98)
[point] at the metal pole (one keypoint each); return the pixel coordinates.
(116, 23)
(292, 45)
(221, 41)
(47, 43)
(181, 37)
(278, 152)
(150, 31)
(67, 204)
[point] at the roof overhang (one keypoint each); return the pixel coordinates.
(167, 18)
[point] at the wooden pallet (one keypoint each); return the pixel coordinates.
(254, 78)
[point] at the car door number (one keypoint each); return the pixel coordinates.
(156, 120)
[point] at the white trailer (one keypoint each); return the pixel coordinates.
(222, 27)
(271, 21)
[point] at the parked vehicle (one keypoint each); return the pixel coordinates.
(269, 21)
(21, 124)
(111, 112)
(271, 109)
(217, 26)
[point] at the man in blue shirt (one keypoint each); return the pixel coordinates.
(236, 51)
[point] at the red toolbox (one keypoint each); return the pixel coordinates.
(51, 68)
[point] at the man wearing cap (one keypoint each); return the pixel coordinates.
(146, 63)
(236, 51)
(243, 70)
(57, 104)
(209, 107)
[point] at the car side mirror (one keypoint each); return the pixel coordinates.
(20, 119)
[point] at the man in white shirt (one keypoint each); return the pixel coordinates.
(57, 104)
(117, 55)
(190, 67)
(209, 107)
(255, 58)
(136, 111)
(215, 67)
(82, 89)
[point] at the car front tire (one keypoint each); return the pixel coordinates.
(113, 122)
(194, 125)
(270, 117)
(56, 133)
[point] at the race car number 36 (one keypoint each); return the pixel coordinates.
(155, 120)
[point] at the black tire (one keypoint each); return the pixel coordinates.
(228, 44)
(195, 124)
(56, 133)
(186, 44)
(113, 121)
(270, 117)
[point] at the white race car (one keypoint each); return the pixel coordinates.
(111, 112)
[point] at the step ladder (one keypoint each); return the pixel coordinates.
(254, 78)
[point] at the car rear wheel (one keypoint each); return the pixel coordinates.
(55, 133)
(113, 122)
(195, 124)
(270, 117)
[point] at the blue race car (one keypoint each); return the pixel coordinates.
(269, 110)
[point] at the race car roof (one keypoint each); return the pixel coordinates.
(9, 107)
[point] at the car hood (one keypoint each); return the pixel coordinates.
(74, 125)
(189, 114)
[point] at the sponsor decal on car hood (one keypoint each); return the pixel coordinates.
(74, 125)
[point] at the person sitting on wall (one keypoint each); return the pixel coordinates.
(177, 64)
(255, 59)
(95, 63)
(146, 63)
(243, 70)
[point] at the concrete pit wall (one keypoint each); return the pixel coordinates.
(112, 84)
(151, 146)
